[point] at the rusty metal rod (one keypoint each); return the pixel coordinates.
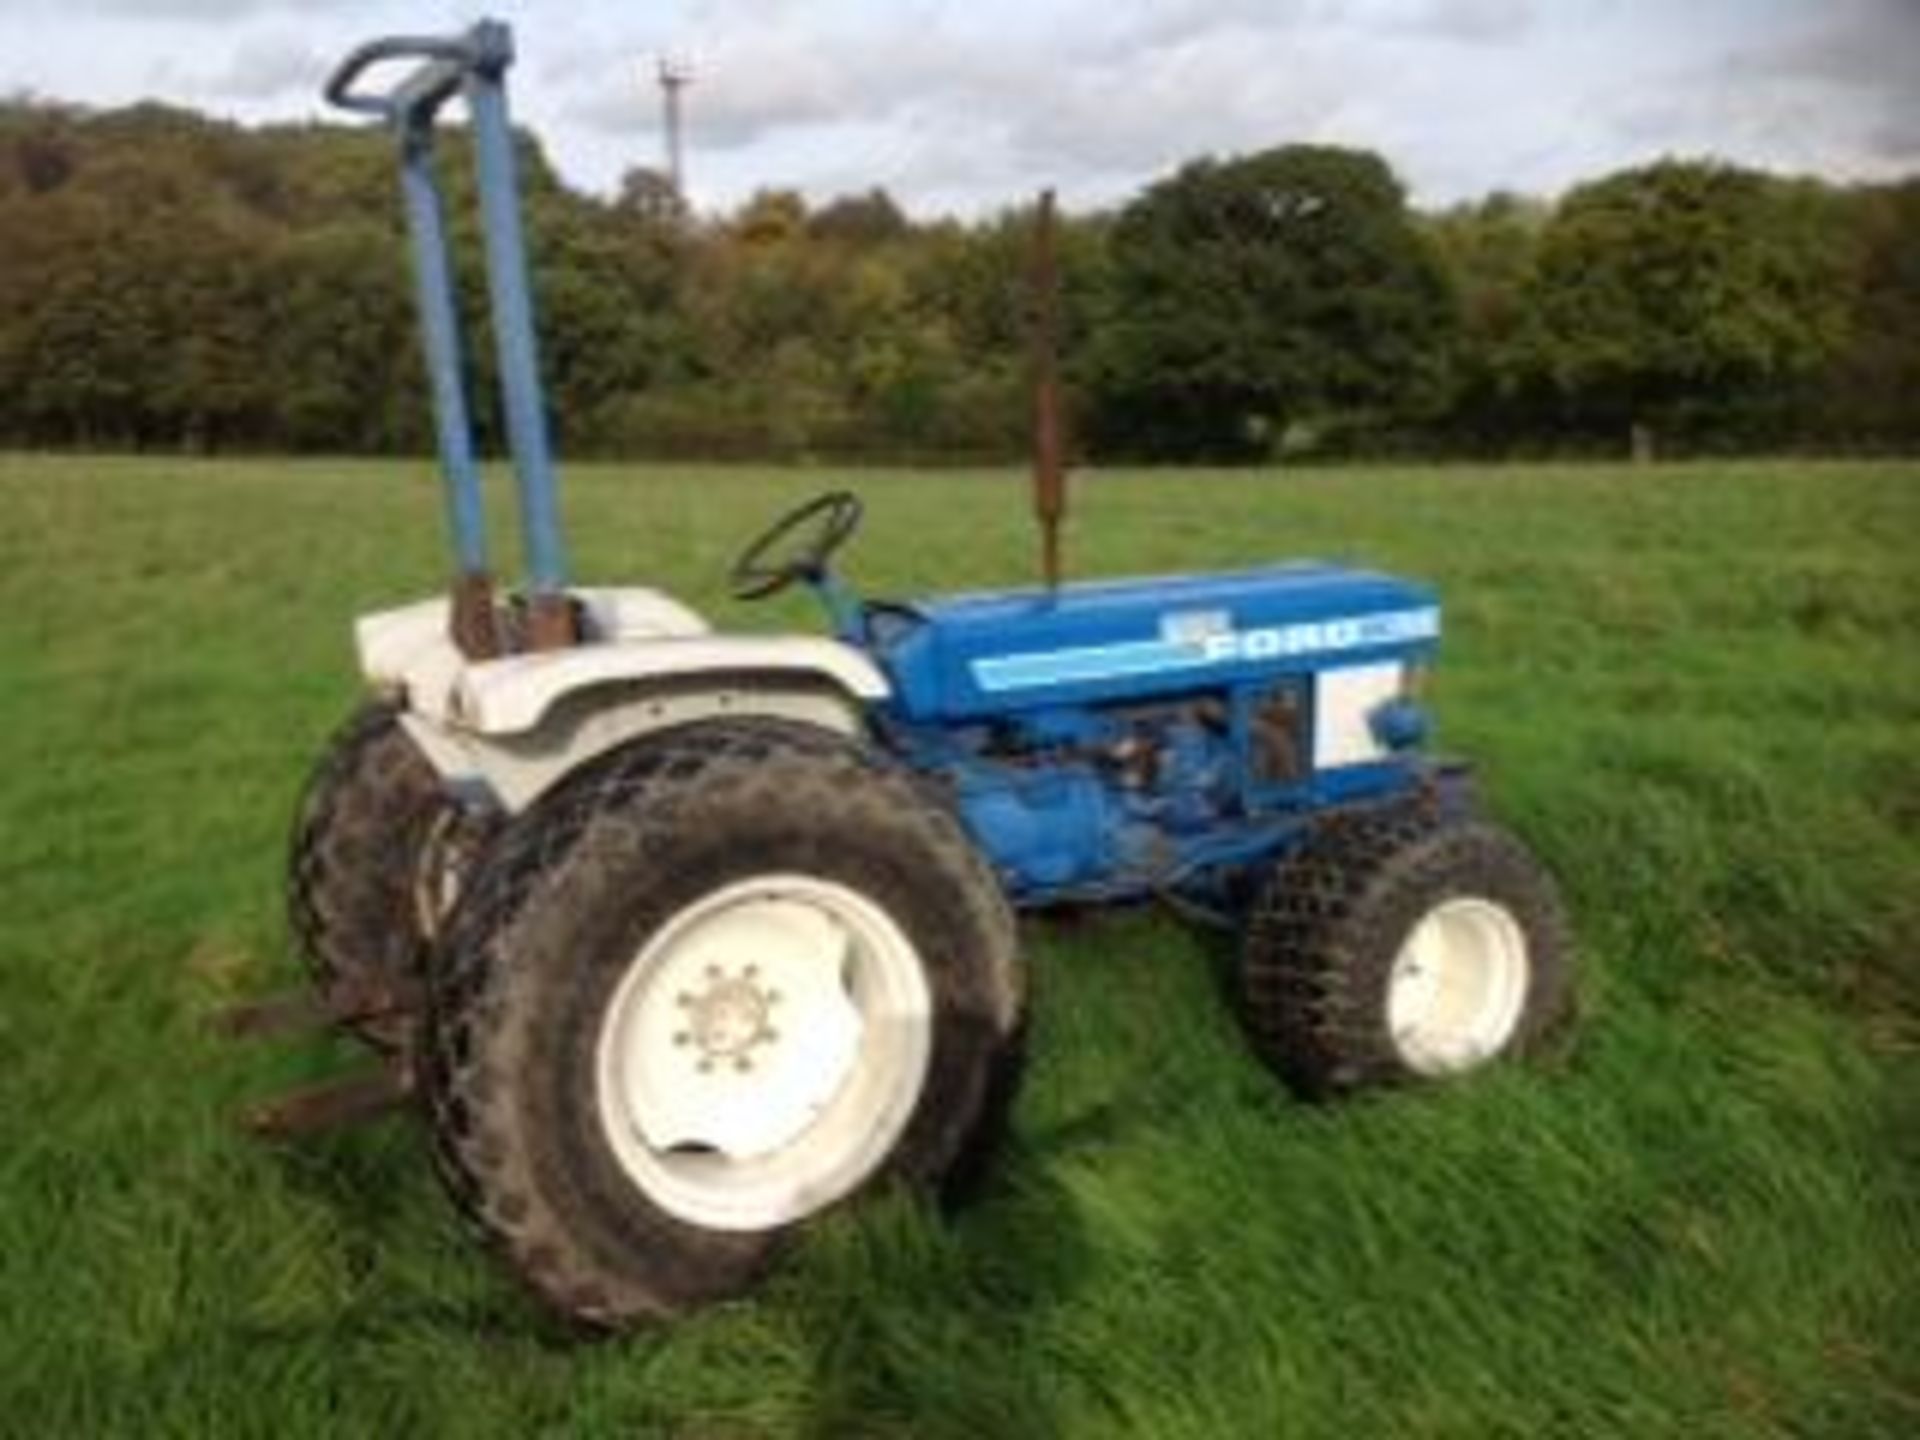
(305, 1009)
(332, 1103)
(1049, 447)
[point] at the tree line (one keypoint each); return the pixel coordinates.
(168, 281)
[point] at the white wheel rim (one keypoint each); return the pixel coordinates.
(1458, 986)
(763, 1052)
(436, 873)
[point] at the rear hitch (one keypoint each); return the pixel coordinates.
(348, 1099)
(332, 1104)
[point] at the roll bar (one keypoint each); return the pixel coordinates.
(446, 60)
(473, 65)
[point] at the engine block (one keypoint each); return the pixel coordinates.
(1149, 736)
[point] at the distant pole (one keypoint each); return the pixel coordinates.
(674, 76)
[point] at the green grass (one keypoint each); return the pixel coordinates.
(1695, 689)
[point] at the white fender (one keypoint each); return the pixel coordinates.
(513, 726)
(512, 695)
(394, 644)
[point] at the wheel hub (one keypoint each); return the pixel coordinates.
(728, 1019)
(1458, 986)
(447, 852)
(763, 1051)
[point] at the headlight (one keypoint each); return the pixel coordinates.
(1398, 724)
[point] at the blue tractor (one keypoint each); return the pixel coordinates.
(684, 937)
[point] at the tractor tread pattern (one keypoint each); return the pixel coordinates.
(1324, 932)
(633, 799)
(366, 810)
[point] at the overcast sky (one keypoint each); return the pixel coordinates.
(966, 105)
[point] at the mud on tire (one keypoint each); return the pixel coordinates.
(577, 907)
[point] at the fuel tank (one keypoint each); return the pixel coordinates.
(972, 657)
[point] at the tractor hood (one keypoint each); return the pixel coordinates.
(976, 656)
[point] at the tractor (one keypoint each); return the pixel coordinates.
(684, 938)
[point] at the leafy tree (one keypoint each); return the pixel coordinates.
(344, 356)
(1256, 293)
(650, 195)
(1671, 291)
(1489, 248)
(609, 308)
(1870, 394)
(170, 280)
(43, 148)
(860, 220)
(771, 217)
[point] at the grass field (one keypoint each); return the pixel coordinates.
(1695, 689)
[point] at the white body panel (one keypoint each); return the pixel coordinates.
(514, 725)
(511, 696)
(1343, 704)
(408, 647)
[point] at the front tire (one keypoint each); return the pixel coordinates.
(717, 983)
(1392, 948)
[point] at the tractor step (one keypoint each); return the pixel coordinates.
(332, 1104)
(305, 1010)
(329, 1104)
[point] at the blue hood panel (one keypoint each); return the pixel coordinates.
(981, 655)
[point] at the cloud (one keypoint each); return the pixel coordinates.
(1830, 93)
(1896, 143)
(971, 104)
(189, 10)
(1857, 57)
(1093, 98)
(783, 70)
(1473, 22)
(1079, 89)
(270, 64)
(1846, 42)
(158, 10)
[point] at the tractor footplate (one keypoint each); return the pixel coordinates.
(333, 1103)
(327, 1104)
(305, 1010)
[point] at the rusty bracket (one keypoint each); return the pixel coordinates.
(472, 623)
(327, 1104)
(306, 1010)
(1049, 445)
(331, 1104)
(551, 622)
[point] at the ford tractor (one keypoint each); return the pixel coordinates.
(682, 938)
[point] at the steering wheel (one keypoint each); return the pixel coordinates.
(775, 560)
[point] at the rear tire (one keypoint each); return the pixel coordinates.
(713, 985)
(376, 848)
(1393, 947)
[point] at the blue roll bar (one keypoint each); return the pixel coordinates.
(474, 65)
(440, 336)
(514, 336)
